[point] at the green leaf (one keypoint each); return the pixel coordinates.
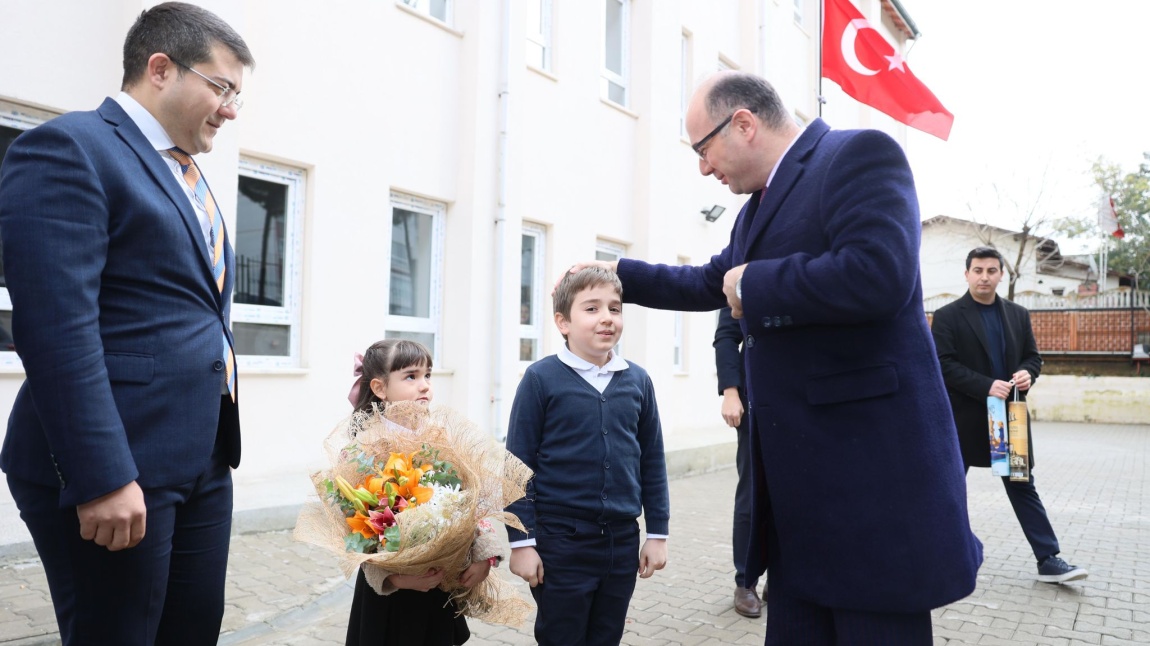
(355, 542)
(392, 536)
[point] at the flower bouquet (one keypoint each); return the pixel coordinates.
(412, 488)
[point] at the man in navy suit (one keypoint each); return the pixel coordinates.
(859, 495)
(121, 440)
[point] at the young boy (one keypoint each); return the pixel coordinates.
(585, 420)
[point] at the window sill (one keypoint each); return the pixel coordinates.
(542, 72)
(428, 19)
(271, 371)
(612, 104)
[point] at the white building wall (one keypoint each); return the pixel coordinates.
(369, 97)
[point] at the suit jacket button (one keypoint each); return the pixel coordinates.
(218, 365)
(778, 321)
(766, 321)
(787, 320)
(750, 342)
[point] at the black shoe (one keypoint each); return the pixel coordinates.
(1054, 570)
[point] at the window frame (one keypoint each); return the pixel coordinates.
(616, 250)
(686, 48)
(289, 314)
(424, 7)
(432, 323)
(607, 76)
(679, 336)
(17, 117)
(543, 37)
(534, 329)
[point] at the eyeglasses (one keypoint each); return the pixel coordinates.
(228, 96)
(698, 148)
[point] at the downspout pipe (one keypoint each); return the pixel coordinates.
(498, 360)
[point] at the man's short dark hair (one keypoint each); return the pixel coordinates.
(984, 252)
(184, 32)
(742, 90)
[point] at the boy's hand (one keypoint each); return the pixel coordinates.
(421, 582)
(652, 557)
(475, 574)
(526, 564)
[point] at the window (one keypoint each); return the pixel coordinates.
(679, 340)
(417, 232)
(684, 81)
(14, 119)
(539, 34)
(269, 257)
(798, 12)
(616, 37)
(438, 9)
(531, 301)
(610, 251)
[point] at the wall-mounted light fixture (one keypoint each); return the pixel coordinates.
(713, 213)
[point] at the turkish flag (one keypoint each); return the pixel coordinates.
(1108, 219)
(868, 68)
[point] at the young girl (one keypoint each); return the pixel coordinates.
(412, 609)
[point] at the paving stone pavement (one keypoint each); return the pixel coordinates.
(1094, 480)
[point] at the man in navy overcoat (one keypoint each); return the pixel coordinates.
(860, 500)
(120, 443)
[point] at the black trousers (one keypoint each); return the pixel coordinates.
(741, 527)
(792, 621)
(168, 590)
(589, 572)
(1031, 515)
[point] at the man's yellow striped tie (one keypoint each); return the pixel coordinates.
(199, 188)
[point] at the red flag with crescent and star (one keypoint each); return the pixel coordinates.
(868, 68)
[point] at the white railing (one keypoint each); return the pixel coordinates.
(1122, 298)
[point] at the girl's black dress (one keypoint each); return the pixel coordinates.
(404, 618)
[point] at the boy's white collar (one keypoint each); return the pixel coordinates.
(614, 363)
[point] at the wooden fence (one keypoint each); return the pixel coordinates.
(1110, 323)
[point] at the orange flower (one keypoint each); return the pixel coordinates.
(404, 480)
(358, 523)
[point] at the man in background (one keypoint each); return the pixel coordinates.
(986, 349)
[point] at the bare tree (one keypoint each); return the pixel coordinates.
(1035, 246)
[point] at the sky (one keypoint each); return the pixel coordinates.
(1039, 90)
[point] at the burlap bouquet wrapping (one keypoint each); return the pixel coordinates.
(491, 479)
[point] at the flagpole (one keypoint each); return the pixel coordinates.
(819, 71)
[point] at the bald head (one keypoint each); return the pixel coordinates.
(724, 92)
(740, 128)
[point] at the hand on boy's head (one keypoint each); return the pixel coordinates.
(612, 267)
(652, 557)
(526, 564)
(475, 574)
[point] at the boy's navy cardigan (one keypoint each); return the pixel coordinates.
(596, 456)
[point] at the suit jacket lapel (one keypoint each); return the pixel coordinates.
(786, 177)
(127, 130)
